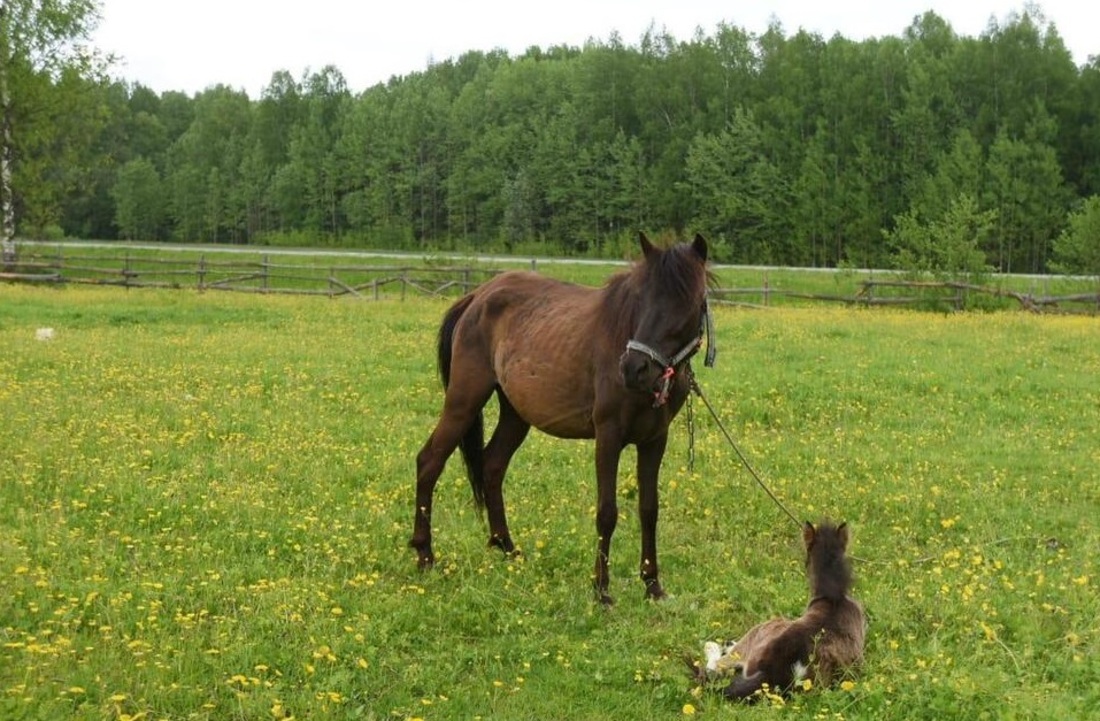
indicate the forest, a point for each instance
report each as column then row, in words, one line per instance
column 927, row 150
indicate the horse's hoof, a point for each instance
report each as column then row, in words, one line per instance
column 654, row 592
column 425, row 559
column 605, row 599
column 504, row 543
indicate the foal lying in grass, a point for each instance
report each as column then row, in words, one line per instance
column 825, row 641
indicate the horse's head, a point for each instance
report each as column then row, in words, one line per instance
column 671, row 316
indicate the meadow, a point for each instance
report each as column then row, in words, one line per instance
column 205, row 501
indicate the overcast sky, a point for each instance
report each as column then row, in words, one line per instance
column 189, row 45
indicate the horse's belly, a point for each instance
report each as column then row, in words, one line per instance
column 549, row 401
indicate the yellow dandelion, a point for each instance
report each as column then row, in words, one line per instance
column 807, row 684
column 689, row 710
column 847, row 685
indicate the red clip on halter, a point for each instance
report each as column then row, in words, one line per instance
column 661, row 397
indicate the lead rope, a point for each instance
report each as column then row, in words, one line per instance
column 691, row 432
column 744, row 461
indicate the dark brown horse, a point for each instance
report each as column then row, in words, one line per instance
column 826, row 641
column 575, row 362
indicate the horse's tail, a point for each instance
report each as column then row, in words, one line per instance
column 472, row 444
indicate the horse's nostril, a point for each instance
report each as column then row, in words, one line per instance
column 634, row 371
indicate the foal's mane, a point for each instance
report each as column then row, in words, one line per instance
column 677, row 270
column 830, row 570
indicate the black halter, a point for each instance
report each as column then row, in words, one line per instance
column 706, row 328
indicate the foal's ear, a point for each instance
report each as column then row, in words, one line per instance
column 842, row 533
column 700, row 247
column 648, row 249
column 808, row 533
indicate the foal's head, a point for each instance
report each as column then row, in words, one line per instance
column 670, row 291
column 827, row 566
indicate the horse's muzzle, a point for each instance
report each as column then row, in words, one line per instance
column 640, row 373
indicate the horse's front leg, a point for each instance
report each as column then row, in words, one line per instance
column 649, row 465
column 608, row 448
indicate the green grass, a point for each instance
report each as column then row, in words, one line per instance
column 205, row 500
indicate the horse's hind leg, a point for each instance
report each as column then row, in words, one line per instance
column 460, row 409
column 509, row 434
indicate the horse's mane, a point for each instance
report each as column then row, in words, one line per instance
column 831, row 572
column 676, row 270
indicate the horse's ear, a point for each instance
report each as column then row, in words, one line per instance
column 807, row 533
column 842, row 532
column 700, row 247
column 648, row 249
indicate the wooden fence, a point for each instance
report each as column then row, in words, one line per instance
column 945, row 295
column 378, row 281
column 263, row 276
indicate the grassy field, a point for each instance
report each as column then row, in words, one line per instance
column 205, row 501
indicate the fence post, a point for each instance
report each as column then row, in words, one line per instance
column 126, row 272
column 202, row 272
column 263, row 283
column 767, row 290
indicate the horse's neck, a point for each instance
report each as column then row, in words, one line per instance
column 829, row 588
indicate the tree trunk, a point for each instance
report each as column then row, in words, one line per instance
column 7, row 206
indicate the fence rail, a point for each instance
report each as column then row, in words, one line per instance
column 264, row 276
column 378, row 281
column 936, row 294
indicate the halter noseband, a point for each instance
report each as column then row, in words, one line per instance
column 706, row 327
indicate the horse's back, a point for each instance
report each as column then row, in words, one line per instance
column 841, row 646
column 751, row 647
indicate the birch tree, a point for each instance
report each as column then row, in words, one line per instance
column 37, row 37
